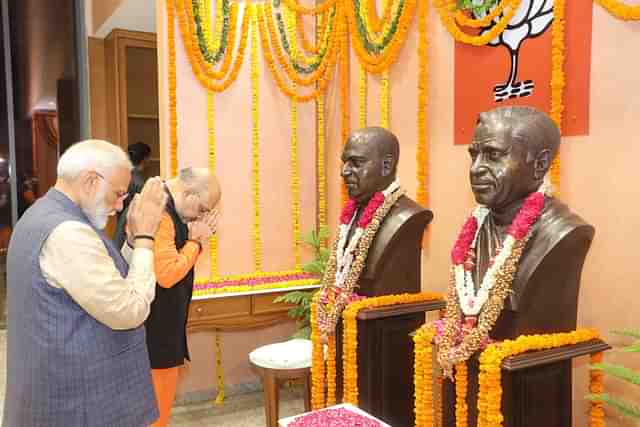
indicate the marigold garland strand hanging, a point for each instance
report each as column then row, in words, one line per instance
column 557, row 78
column 211, row 133
column 295, row 185
column 255, row 140
column 422, row 155
column 173, row 114
column 621, row 10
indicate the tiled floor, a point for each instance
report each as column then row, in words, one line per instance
column 242, row 410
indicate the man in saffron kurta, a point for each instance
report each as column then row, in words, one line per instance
column 75, row 342
column 188, row 222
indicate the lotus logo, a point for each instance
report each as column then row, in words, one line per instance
column 532, row 19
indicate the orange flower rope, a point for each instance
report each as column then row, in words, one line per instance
column 620, row 10
column 345, row 99
column 295, row 6
column 376, row 64
column 311, row 79
column 376, row 23
column 266, row 50
column 423, row 92
column 173, row 114
column 322, row 27
column 465, row 21
column 196, row 65
column 462, row 412
column 557, row 79
column 209, row 70
column 596, row 386
column 445, row 9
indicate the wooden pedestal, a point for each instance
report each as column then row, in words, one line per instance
column 385, row 360
column 536, row 388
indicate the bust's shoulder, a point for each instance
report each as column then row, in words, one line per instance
column 558, row 220
column 406, row 208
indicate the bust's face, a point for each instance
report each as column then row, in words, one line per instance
column 362, row 169
column 500, row 173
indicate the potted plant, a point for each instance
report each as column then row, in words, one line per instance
column 302, row 299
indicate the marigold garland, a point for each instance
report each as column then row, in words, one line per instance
column 198, row 50
column 621, row 10
column 322, row 72
column 219, row 370
column 321, row 28
column 266, row 50
column 376, row 23
column 423, row 377
column 298, row 59
column 557, row 78
column 326, row 5
column 466, row 21
column 345, row 99
column 322, row 180
column 596, row 386
column 173, row 114
column 490, row 386
column 376, row 40
column 255, row 140
column 362, row 98
column 447, row 11
column 350, row 334
column 209, row 78
column 423, row 92
column 377, row 63
column 295, row 185
column 213, row 241
column 385, row 100
column 462, row 412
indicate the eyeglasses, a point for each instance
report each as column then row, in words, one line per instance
column 120, row 195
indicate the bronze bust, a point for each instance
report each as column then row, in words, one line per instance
column 370, row 160
column 379, row 240
column 511, row 152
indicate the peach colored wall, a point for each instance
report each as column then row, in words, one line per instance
column 233, row 129
column 597, row 176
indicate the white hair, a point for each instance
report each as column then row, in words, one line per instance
column 91, row 155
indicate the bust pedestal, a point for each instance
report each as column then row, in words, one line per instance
column 536, row 388
column 385, row 360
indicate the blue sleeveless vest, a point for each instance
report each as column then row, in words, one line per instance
column 64, row 368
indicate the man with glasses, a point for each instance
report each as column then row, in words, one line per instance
column 76, row 353
column 188, row 222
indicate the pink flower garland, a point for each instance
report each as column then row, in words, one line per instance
column 526, row 217
column 367, row 215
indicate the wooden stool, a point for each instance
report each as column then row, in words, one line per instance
column 273, row 369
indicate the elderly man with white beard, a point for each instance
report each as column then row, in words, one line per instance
column 76, row 303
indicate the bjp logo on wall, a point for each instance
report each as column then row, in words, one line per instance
column 515, row 67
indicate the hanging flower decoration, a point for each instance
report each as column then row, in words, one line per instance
column 320, row 167
column 253, row 282
column 621, row 10
column 203, row 31
column 558, row 82
column 448, row 11
column 295, row 185
column 173, row 114
column 215, row 80
column 422, row 156
column 378, row 57
column 423, row 376
column 211, row 143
